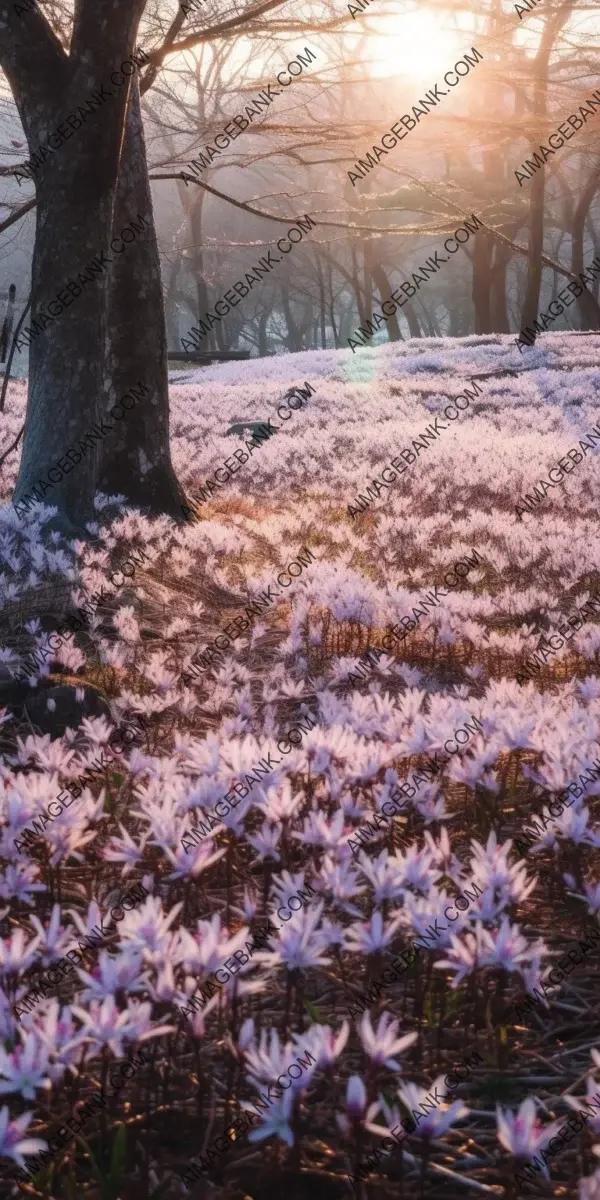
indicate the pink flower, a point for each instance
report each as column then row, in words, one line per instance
column 12, row 1143
column 523, row 1135
column 356, row 1107
column 379, row 1044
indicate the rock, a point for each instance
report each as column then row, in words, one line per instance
column 239, row 427
column 65, row 709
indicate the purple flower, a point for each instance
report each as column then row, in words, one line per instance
column 12, row 1143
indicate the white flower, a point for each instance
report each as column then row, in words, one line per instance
column 356, row 1104
column 52, row 942
column 265, row 842
column 250, row 906
column 197, row 1022
column 145, row 930
column 381, row 1043
column 12, row 1143
column 462, row 956
column 523, row 1135
column 15, row 955
column 324, row 1044
column 110, row 974
column 429, row 1115
column 591, row 1094
column 25, row 1068
column 298, row 945
column 276, row 1121
column 508, row 948
column 125, row 849
column 104, row 1024
column 207, row 949
column 369, row 937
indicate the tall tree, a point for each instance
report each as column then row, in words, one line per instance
column 111, row 334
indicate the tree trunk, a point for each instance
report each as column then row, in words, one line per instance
column 362, row 312
column 220, row 332
column 171, row 305
column 413, row 320
column 198, row 260
column 7, row 324
column 382, row 284
column 494, row 257
column 433, row 329
column 66, row 362
column 136, row 459
column 554, row 22
column 588, row 307
column 482, row 262
column 368, row 280
column 455, row 312
column 499, row 311
column 536, row 246
column 263, row 345
column 322, row 311
column 293, row 340
column 331, row 305
column 108, row 331
column 595, row 288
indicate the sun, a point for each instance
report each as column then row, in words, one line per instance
column 414, row 45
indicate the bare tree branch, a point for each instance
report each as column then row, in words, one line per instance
column 14, row 445
column 16, row 216
column 11, row 355
column 403, row 229
column 195, row 39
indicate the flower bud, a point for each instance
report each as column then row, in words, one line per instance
column 356, row 1098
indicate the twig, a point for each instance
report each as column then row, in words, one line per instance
column 14, row 445
column 16, row 216
column 11, row 355
column 473, row 1183
column 206, row 35
column 495, row 233
column 400, row 229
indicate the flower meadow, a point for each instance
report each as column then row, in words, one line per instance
column 426, row 1020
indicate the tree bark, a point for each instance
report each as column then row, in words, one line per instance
column 198, row 266
column 66, row 365
column 554, row 23
column 263, row 345
column 111, row 332
column 413, row 320
column 596, row 284
column 382, row 284
column 136, row 459
column 368, row 292
column 588, row 306
column 536, row 245
column 171, row 305
column 433, row 329
column 293, row 339
column 220, row 332
column 360, row 304
column 7, row 324
column 498, row 308
column 331, row 305
column 482, row 267
column 322, row 306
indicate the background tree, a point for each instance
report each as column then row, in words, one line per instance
column 460, row 160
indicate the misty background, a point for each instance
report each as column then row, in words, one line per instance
column 294, row 158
